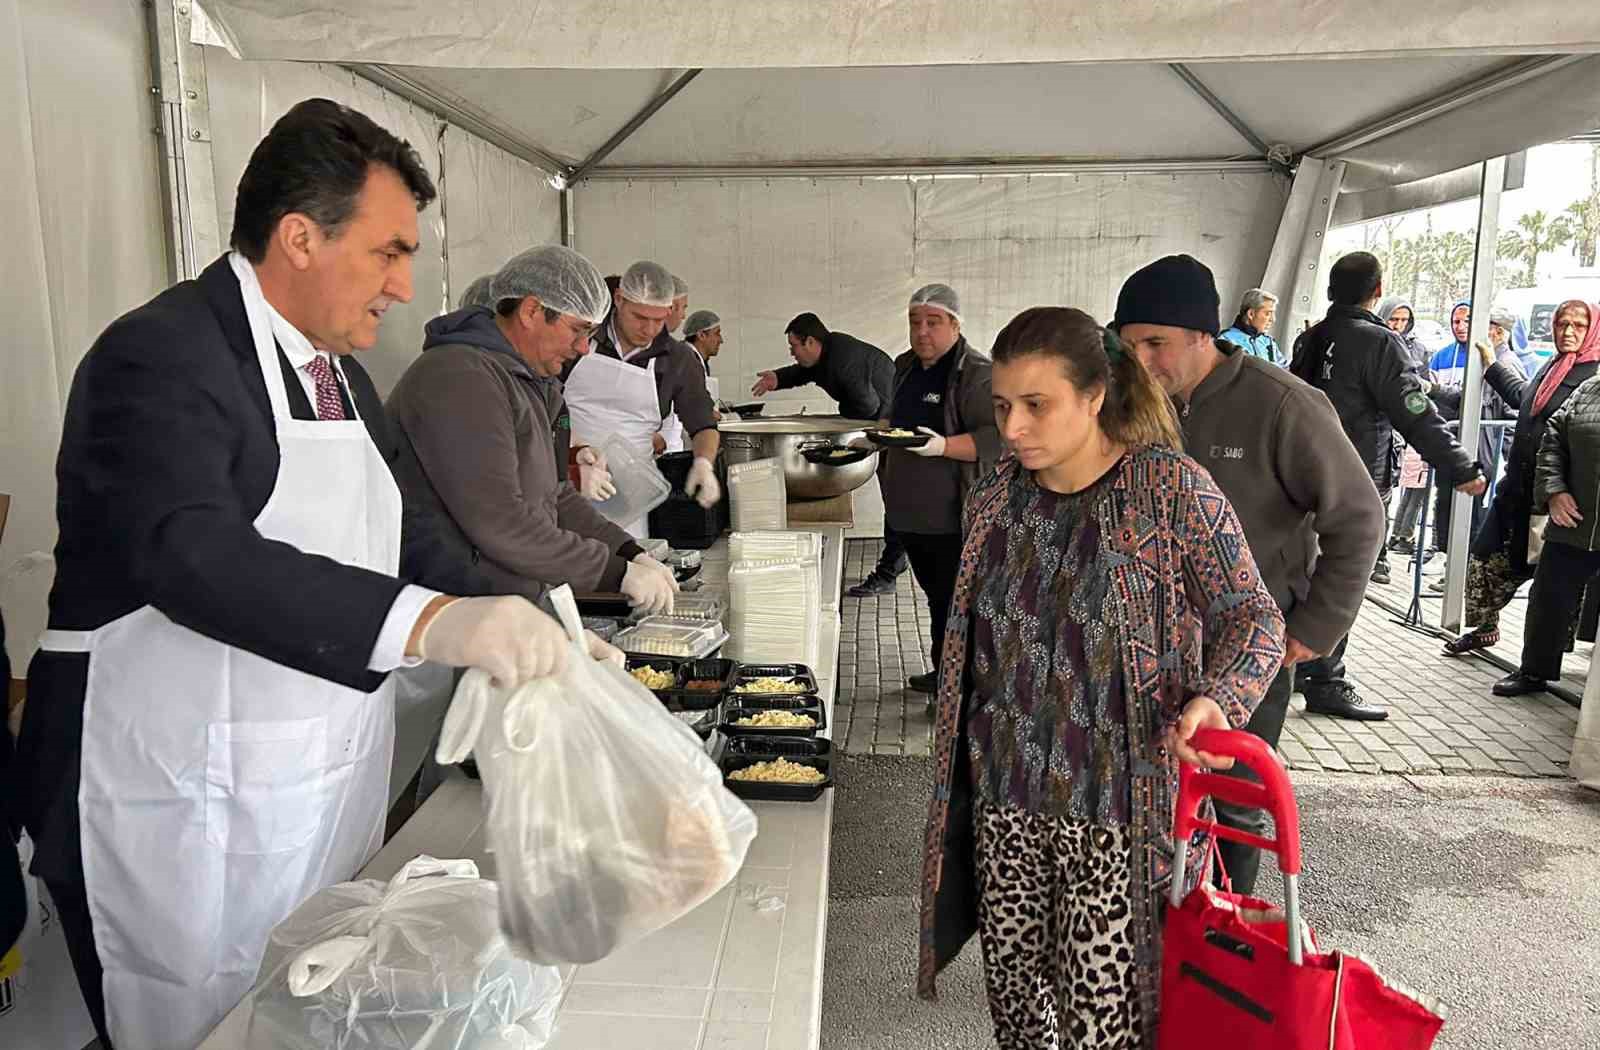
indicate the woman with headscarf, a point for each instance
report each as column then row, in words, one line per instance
column 1401, row 318
column 1567, row 488
column 1499, row 562
column 1106, row 607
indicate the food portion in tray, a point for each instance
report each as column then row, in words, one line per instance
column 780, row 771
column 897, row 437
column 652, row 678
column 776, row 719
column 774, row 687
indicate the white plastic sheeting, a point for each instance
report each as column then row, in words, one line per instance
column 760, row 251
column 734, row 33
column 84, row 242
column 496, row 205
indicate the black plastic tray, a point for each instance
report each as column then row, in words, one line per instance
column 604, row 604
column 706, row 722
column 732, row 712
column 750, row 672
column 822, row 454
column 660, row 663
column 764, row 791
column 881, row 437
column 786, row 746
column 711, row 667
column 750, row 408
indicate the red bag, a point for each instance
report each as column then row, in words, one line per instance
column 1241, row 974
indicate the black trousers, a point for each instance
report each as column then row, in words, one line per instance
column 935, row 561
column 1310, row 675
column 1241, row 862
column 1558, row 585
column 893, row 561
column 1445, row 496
column 72, row 909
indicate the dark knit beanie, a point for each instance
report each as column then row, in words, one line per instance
column 1178, row 291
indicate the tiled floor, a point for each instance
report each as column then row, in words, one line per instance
column 1443, row 718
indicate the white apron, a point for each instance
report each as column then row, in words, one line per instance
column 605, row 397
column 672, row 427
column 220, row 789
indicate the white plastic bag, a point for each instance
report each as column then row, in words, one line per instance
column 417, row 963
column 605, row 817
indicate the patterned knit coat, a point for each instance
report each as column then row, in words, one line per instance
column 1193, row 619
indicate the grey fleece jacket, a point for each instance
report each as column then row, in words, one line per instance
column 475, row 434
column 1277, row 450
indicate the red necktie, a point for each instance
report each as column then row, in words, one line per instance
column 329, row 404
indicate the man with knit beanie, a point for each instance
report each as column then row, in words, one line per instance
column 1277, row 451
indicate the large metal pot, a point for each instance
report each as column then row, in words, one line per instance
column 780, row 437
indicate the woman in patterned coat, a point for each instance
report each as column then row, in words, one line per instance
column 1107, row 607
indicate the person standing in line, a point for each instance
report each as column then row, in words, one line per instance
column 941, row 391
column 1094, row 548
column 1251, row 331
column 1361, row 365
column 1401, row 319
column 1275, row 447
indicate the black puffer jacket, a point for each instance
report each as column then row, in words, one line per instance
column 1368, row 375
column 1569, row 461
column 1521, row 461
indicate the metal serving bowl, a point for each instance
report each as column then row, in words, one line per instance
column 780, row 438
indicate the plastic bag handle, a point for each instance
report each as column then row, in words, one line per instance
column 566, row 607
column 1274, row 794
column 463, row 720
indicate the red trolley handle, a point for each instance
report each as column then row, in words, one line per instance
column 1274, row 794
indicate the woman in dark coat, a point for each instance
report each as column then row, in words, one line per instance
column 1499, row 558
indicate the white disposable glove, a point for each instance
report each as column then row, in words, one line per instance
column 600, row 649
column 703, row 480
column 507, row 636
column 595, row 483
column 649, row 585
column 935, row 445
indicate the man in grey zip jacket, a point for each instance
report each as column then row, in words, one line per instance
column 1277, row 450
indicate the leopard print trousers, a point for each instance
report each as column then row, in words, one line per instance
column 1054, row 922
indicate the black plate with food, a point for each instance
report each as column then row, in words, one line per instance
column 897, row 438
column 750, row 408
column 755, row 682
column 776, row 721
column 826, row 454
column 657, row 665
column 735, row 761
column 705, row 682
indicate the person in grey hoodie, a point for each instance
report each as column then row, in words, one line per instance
column 1276, row 449
column 477, row 419
column 1397, row 313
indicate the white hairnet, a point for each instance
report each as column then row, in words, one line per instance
column 477, row 293
column 700, row 321
column 940, row 296
column 1503, row 317
column 559, row 277
column 680, row 287
column 648, row 284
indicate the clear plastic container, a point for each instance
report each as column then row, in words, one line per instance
column 771, row 545
column 669, row 636
column 697, row 607
column 640, row 486
column 758, row 495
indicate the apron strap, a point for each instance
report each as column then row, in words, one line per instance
column 255, row 309
column 53, row 641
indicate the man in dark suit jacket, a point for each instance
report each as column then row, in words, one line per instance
column 170, row 451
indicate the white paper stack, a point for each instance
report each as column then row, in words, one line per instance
column 759, row 496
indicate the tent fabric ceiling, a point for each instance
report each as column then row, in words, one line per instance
column 1100, row 111
column 626, row 34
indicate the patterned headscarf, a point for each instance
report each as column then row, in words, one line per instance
column 1588, row 350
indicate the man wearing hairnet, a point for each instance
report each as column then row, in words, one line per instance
column 477, row 293
column 477, row 416
column 634, row 380
column 703, row 334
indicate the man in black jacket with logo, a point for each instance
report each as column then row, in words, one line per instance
column 1364, row 368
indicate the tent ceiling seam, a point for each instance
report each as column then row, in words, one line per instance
column 930, row 167
column 625, row 132
column 1221, row 108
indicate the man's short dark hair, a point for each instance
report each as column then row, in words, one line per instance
column 508, row 308
column 807, row 326
column 315, row 161
column 1355, row 279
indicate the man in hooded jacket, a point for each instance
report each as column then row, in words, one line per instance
column 1397, row 313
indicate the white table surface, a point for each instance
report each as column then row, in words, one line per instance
column 741, row 972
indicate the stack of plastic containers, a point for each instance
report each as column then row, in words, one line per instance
column 774, row 591
column 758, row 495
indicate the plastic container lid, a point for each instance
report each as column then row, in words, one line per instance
column 698, row 607
column 668, row 636
column 640, row 486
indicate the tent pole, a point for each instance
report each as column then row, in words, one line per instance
column 1479, row 87
column 569, row 225
column 1294, row 268
column 453, row 113
column 934, row 166
column 1455, row 576
column 631, row 126
column 183, row 108
column 1210, row 98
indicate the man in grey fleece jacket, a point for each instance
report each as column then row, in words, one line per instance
column 1277, row 450
column 476, row 416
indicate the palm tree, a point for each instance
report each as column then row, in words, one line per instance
column 1452, row 267
column 1584, row 215
column 1536, row 234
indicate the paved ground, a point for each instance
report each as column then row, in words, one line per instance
column 1443, row 717
column 1479, row 890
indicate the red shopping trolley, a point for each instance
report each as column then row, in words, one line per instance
column 1237, row 972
